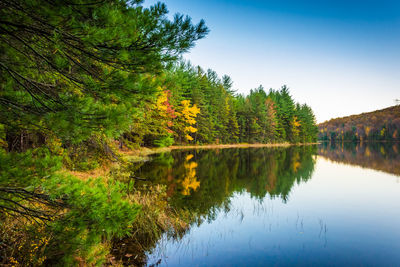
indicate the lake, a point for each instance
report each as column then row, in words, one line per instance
column 317, row 205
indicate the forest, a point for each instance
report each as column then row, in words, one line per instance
column 82, row 81
column 379, row 125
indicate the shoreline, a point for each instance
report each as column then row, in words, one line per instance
column 218, row 146
column 143, row 153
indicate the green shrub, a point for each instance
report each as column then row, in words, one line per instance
column 164, row 141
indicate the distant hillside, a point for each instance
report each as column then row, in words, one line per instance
column 381, row 124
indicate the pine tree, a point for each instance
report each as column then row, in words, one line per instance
column 73, row 68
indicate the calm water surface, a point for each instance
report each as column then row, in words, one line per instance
column 327, row 205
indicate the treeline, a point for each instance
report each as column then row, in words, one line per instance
column 372, row 126
column 196, row 106
column 81, row 80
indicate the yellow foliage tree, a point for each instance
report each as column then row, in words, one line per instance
column 367, row 130
column 187, row 118
column 296, row 127
column 383, row 132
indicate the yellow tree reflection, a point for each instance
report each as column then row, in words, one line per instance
column 190, row 180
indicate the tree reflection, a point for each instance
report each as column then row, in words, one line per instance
column 382, row 156
column 189, row 182
column 203, row 181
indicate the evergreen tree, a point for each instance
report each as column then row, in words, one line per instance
column 72, row 67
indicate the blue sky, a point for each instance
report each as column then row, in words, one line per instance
column 340, row 57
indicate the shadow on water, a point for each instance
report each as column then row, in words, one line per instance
column 382, row 156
